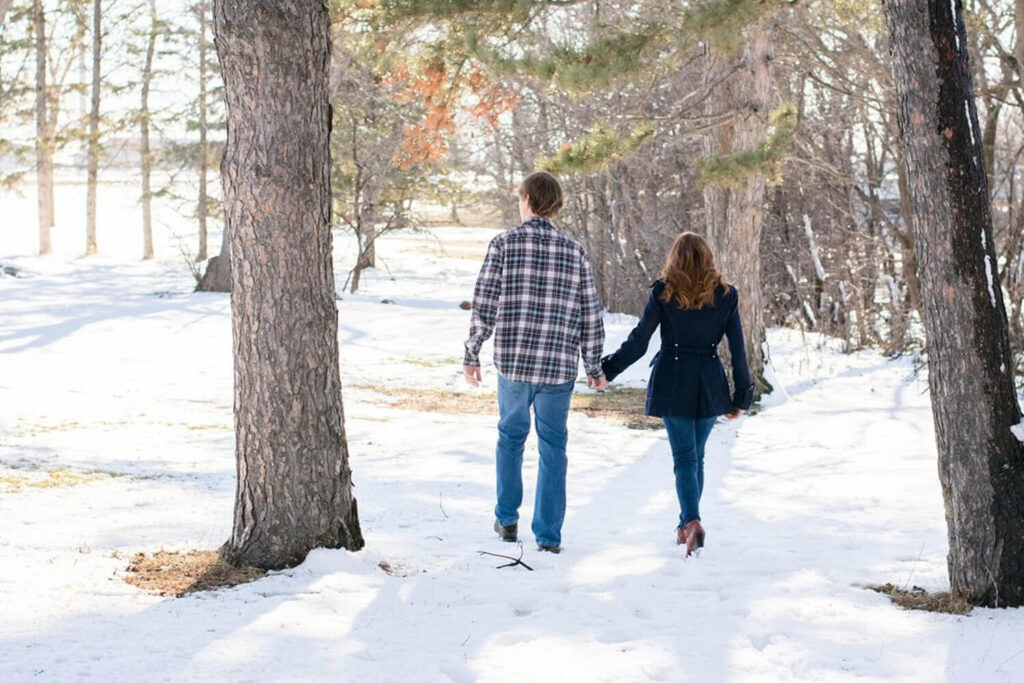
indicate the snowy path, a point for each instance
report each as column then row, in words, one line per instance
column 118, row 381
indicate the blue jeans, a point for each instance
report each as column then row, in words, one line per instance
column 551, row 406
column 687, row 437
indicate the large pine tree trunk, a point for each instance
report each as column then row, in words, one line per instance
column 94, row 129
column 734, row 215
column 204, row 146
column 981, row 463
column 44, row 139
column 294, row 483
column 144, row 148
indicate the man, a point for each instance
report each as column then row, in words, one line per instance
column 536, row 293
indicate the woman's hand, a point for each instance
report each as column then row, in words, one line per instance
column 734, row 414
column 598, row 383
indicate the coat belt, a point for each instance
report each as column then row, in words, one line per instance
column 673, row 351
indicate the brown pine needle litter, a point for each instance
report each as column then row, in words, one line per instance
column 180, row 573
column 920, row 599
column 625, row 404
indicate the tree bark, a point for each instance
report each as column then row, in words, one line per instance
column 94, row 129
column 5, row 7
column 217, row 277
column 44, row 139
column 144, row 150
column 981, row 463
column 1018, row 48
column 294, row 482
column 204, row 145
column 733, row 215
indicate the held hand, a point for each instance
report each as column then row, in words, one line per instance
column 472, row 374
column 734, row 414
column 597, row 383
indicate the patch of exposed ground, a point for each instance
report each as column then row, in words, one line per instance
column 30, row 476
column 920, row 599
column 623, row 404
column 181, row 573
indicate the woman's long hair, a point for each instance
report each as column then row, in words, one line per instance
column 690, row 275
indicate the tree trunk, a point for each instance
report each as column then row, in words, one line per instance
column 144, row 152
column 44, row 140
column 94, row 129
column 981, row 463
column 5, row 7
column 204, row 145
column 1018, row 48
column 733, row 215
column 294, row 482
column 217, row 277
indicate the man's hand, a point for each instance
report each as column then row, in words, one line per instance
column 472, row 374
column 734, row 414
column 597, row 383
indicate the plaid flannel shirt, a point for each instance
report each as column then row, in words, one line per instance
column 535, row 292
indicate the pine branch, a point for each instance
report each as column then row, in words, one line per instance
column 766, row 158
column 452, row 9
column 580, row 68
column 600, row 147
column 722, row 21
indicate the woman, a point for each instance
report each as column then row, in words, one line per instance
column 694, row 308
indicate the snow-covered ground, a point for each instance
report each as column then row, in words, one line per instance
column 115, row 437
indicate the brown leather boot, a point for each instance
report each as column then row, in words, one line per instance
column 693, row 534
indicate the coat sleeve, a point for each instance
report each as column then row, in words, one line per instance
column 744, row 384
column 635, row 345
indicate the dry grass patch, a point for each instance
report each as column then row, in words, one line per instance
column 33, row 477
column 178, row 574
column 450, row 361
column 920, row 599
column 625, row 405
column 437, row 401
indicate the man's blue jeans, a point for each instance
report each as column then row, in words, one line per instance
column 551, row 406
column 687, row 437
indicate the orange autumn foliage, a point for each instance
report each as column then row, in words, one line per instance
column 491, row 100
column 426, row 142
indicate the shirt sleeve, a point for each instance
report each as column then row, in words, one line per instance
column 636, row 344
column 743, row 395
column 485, row 304
column 592, row 323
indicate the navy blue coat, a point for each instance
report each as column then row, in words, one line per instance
column 687, row 378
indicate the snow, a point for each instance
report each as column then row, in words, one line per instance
column 113, row 369
column 956, row 29
column 989, row 276
column 989, row 272
column 1018, row 430
column 970, row 124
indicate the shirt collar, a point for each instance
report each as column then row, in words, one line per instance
column 539, row 222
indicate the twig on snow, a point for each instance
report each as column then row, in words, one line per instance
column 514, row 562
